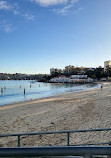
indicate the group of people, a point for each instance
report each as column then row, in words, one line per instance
column 2, row 89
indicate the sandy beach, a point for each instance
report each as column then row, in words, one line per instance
column 81, row 110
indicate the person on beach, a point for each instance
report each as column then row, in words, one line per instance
column 101, row 86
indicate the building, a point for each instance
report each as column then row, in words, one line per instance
column 107, row 64
column 80, row 79
column 60, row 79
column 52, row 70
column 78, row 76
column 91, row 69
column 72, row 79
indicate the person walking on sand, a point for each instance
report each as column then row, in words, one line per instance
column 101, row 86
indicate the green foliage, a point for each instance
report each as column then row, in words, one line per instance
column 108, row 72
column 57, row 72
column 71, row 70
column 96, row 74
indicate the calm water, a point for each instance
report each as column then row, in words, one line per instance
column 14, row 91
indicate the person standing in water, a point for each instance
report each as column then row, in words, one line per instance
column 24, row 91
column 2, row 90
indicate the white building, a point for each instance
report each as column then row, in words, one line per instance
column 80, row 79
column 60, row 79
column 91, row 69
column 107, row 64
column 52, row 70
column 77, row 80
column 78, row 76
column 72, row 79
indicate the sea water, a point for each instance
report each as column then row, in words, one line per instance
column 13, row 91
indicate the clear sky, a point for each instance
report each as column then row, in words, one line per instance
column 36, row 35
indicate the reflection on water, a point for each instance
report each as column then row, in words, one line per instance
column 15, row 91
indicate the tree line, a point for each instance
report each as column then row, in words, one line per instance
column 19, row 76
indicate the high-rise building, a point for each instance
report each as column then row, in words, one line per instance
column 52, row 70
column 107, row 64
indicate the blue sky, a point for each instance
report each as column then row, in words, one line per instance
column 36, row 35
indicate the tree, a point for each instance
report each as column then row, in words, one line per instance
column 57, row 72
column 108, row 72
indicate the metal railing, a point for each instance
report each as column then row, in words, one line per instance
column 68, row 132
column 86, row 152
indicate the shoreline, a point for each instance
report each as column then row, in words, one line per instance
column 48, row 97
column 83, row 110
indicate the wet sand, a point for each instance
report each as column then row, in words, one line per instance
column 81, row 110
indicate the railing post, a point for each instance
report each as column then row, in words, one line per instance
column 109, row 156
column 67, row 139
column 18, row 142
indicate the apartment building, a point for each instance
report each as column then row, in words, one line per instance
column 107, row 64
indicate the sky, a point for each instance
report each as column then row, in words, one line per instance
column 36, row 35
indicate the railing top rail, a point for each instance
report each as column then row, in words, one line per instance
column 55, row 132
column 55, row 151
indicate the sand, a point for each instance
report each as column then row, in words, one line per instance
column 82, row 110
